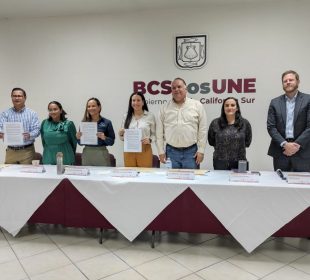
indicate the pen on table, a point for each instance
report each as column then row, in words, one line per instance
column 280, row 173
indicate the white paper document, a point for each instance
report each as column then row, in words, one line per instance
column 244, row 177
column 89, row 133
column 181, row 174
column 76, row 170
column 120, row 172
column 13, row 133
column 132, row 140
column 298, row 178
column 33, row 169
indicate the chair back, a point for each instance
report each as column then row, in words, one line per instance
column 112, row 160
column 156, row 162
column 78, row 159
column 38, row 156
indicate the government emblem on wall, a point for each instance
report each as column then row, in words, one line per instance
column 191, row 51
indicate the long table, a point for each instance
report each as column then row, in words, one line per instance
column 251, row 212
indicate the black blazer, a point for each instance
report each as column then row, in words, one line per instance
column 276, row 123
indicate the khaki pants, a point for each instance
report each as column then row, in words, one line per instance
column 24, row 156
column 143, row 159
column 96, row 156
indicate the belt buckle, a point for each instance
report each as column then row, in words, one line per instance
column 18, row 148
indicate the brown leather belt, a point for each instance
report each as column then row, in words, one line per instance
column 182, row 148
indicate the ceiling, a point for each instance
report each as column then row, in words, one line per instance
column 10, row 9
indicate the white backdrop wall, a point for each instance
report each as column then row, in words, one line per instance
column 70, row 59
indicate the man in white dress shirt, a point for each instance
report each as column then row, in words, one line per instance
column 181, row 129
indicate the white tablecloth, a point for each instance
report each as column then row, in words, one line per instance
column 251, row 212
column 21, row 194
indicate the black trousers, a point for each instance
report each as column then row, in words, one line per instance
column 293, row 164
column 224, row 164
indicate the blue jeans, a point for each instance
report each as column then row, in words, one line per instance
column 182, row 158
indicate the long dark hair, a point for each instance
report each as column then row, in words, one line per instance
column 130, row 109
column 62, row 114
column 87, row 117
column 238, row 118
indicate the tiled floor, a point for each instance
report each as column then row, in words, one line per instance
column 47, row 252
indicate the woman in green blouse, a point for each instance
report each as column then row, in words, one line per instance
column 58, row 135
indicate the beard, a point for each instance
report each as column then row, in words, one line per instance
column 290, row 88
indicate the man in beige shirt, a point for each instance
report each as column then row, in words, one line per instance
column 182, row 125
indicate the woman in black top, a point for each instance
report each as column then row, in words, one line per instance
column 229, row 134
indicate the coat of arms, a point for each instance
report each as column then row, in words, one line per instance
column 191, row 51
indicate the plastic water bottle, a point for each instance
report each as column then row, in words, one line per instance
column 168, row 163
column 59, row 163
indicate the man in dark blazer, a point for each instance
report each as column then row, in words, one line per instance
column 288, row 125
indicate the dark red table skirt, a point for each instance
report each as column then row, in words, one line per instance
column 67, row 206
